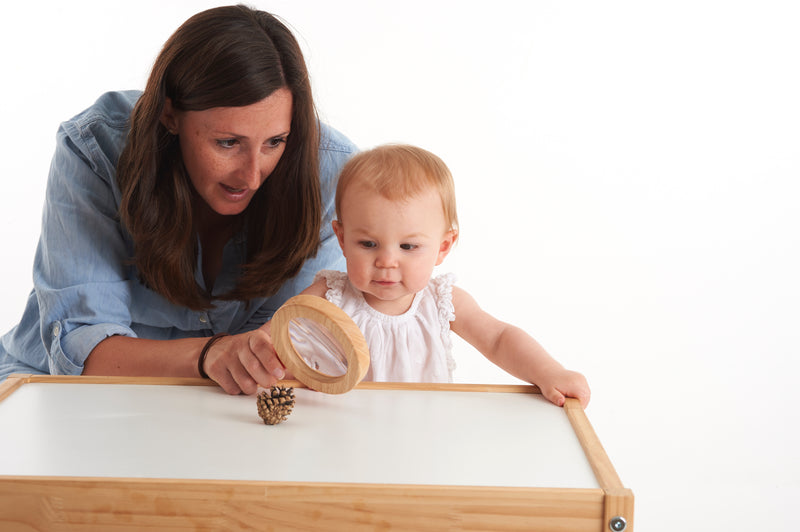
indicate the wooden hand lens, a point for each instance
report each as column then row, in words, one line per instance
column 319, row 344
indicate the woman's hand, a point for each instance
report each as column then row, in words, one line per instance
column 243, row 362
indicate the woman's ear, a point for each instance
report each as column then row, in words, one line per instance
column 168, row 118
column 447, row 244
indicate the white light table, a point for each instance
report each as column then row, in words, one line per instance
column 105, row 453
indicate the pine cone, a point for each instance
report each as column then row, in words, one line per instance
column 275, row 404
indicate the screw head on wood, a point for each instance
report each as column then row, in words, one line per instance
column 618, row 524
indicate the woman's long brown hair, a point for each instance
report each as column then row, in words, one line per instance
column 224, row 57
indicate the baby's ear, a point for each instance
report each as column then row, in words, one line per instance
column 447, row 244
column 339, row 230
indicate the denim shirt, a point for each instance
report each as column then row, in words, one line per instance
column 85, row 290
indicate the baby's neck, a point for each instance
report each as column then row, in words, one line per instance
column 394, row 307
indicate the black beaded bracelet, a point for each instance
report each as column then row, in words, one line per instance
column 202, row 358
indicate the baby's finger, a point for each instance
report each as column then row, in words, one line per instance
column 575, row 385
column 579, row 390
column 583, row 395
column 554, row 396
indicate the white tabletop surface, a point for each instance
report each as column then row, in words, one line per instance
column 363, row 436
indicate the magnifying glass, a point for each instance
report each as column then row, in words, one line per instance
column 320, row 344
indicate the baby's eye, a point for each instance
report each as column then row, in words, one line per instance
column 408, row 247
column 227, row 143
column 369, row 244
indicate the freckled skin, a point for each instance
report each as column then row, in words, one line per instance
column 230, row 151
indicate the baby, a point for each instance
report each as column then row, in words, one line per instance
column 396, row 221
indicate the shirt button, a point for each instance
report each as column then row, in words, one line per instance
column 56, row 329
column 203, row 319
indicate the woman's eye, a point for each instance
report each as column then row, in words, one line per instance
column 227, row 143
column 275, row 142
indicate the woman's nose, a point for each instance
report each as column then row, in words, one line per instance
column 253, row 170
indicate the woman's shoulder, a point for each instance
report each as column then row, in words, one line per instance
column 333, row 140
column 112, row 109
column 99, row 131
column 334, row 151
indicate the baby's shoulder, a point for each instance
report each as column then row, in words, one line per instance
column 330, row 276
column 333, row 283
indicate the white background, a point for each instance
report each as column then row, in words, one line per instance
column 627, row 183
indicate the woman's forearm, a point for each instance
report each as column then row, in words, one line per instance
column 238, row 363
column 122, row 355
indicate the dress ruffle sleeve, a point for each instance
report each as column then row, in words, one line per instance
column 336, row 282
column 443, row 288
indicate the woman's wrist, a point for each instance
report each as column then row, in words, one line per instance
column 201, row 360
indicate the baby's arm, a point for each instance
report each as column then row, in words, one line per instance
column 515, row 351
column 317, row 288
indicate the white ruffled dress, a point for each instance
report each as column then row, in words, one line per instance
column 412, row 347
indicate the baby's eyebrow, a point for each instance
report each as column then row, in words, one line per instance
column 360, row 231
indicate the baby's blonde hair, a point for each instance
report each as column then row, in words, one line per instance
column 398, row 172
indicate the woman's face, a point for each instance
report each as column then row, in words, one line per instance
column 230, row 151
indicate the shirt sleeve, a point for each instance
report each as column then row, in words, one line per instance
column 81, row 272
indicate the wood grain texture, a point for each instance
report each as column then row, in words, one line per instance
column 12, row 382
column 618, row 499
column 15, row 380
column 52, row 503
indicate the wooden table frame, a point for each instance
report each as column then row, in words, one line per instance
column 90, row 503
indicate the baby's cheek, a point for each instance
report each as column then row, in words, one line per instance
column 358, row 277
column 418, row 280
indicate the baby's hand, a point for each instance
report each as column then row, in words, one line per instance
column 559, row 385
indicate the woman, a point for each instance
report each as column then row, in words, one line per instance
column 179, row 219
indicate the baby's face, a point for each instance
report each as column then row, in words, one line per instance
column 391, row 247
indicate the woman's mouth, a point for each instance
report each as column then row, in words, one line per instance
column 234, row 194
